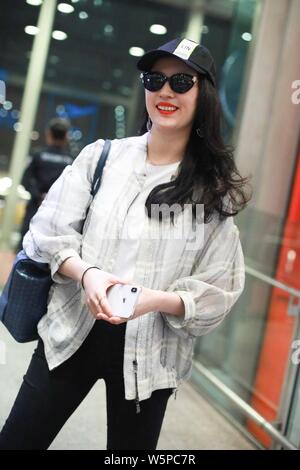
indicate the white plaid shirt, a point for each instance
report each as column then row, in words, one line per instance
column 209, row 277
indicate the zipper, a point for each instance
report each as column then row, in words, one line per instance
column 137, row 401
column 135, row 369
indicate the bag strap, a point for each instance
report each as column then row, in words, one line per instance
column 99, row 168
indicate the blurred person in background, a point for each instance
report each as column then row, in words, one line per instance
column 188, row 284
column 44, row 168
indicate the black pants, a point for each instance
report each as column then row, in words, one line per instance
column 47, row 399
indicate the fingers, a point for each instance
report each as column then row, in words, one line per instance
column 94, row 306
column 99, row 304
column 113, row 320
column 126, row 280
column 98, row 309
column 105, row 307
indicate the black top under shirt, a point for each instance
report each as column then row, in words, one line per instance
column 45, row 167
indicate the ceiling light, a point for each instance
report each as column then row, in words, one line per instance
column 77, row 134
column 60, row 109
column 59, row 35
column 83, row 15
column 5, row 183
column 119, row 110
column 32, row 30
column 7, row 105
column 247, row 36
column 106, row 85
column 65, row 8
column 53, row 59
column 158, row 29
column 136, row 51
column 35, row 135
column 108, row 29
column 35, row 3
column 17, row 126
column 117, row 73
column 125, row 90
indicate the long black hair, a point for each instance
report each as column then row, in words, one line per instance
column 208, row 165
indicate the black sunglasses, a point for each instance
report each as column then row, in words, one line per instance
column 179, row 82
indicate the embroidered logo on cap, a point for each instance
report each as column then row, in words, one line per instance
column 185, row 49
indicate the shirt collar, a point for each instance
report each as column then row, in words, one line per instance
column 140, row 167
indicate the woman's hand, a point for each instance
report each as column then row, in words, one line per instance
column 96, row 283
column 147, row 302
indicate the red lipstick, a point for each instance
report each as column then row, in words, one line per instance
column 166, row 108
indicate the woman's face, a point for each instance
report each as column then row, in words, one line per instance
column 185, row 103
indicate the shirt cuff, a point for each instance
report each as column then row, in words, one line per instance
column 189, row 310
column 57, row 260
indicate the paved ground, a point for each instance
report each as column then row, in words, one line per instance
column 190, row 423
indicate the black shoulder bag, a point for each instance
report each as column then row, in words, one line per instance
column 23, row 301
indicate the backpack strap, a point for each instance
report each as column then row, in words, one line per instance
column 99, row 168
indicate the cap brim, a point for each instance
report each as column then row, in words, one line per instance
column 145, row 63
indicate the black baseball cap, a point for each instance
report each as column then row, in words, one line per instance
column 190, row 52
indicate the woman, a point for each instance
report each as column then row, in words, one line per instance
column 189, row 262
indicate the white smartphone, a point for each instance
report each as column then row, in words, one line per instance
column 122, row 299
